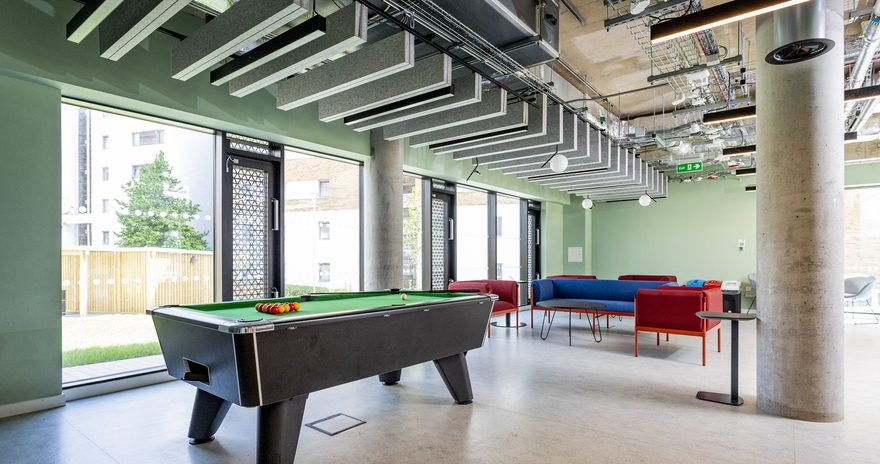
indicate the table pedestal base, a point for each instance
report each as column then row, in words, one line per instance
column 507, row 324
column 722, row 398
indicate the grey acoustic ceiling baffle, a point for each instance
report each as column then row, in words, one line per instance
column 650, row 184
column 492, row 105
column 283, row 43
column 592, row 153
column 515, row 119
column 553, row 136
column 428, row 74
column 570, row 139
column 346, row 29
column 536, row 126
column 466, row 90
column 660, row 190
column 375, row 61
column 88, row 18
column 126, row 27
column 240, row 25
column 619, row 167
column 634, row 176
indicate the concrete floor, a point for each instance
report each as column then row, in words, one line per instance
column 536, row 401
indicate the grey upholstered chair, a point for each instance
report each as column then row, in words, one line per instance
column 860, row 288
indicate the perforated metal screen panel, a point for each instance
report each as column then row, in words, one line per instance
column 439, row 214
column 250, row 233
column 530, row 251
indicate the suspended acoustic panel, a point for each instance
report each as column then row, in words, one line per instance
column 240, row 25
column 536, row 126
column 570, row 139
column 593, row 155
column 553, row 136
column 346, row 29
column 515, row 119
column 429, row 74
column 295, row 37
column 620, row 166
column 375, row 61
column 651, row 185
column 126, row 27
column 88, row 18
column 635, row 176
column 466, row 90
column 492, row 104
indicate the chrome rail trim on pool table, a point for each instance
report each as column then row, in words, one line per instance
column 243, row 326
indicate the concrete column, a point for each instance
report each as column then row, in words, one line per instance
column 383, row 214
column 800, row 229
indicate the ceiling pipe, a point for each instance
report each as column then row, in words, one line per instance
column 870, row 42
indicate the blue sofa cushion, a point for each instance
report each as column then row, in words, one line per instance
column 596, row 290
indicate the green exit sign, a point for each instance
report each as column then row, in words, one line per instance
column 690, row 167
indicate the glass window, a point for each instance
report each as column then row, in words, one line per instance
column 412, row 232
column 105, row 142
column 309, row 250
column 862, row 235
column 471, row 228
column 150, row 137
column 152, row 242
column 508, row 246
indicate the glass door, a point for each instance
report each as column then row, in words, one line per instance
column 442, row 235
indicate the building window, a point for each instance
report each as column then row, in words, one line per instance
column 105, row 174
column 323, row 188
column 498, row 228
column 323, row 230
column 153, row 137
column 323, row 272
column 105, row 206
column 105, row 142
column 499, row 270
column 105, row 238
column 136, row 170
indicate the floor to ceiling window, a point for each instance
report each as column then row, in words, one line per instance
column 321, row 224
column 507, row 232
column 862, row 238
column 472, row 241
column 412, row 232
column 137, row 232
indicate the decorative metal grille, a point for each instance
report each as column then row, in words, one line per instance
column 250, row 145
column 438, row 244
column 250, row 233
column 530, row 248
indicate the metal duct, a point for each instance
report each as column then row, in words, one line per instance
column 870, row 42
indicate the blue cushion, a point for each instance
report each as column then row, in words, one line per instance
column 618, row 306
column 695, row 283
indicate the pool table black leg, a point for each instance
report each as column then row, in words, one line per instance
column 455, row 375
column 390, row 378
column 278, row 426
column 207, row 415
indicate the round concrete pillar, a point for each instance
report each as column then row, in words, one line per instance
column 800, row 228
column 383, row 214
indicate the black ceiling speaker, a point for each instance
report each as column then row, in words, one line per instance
column 799, row 33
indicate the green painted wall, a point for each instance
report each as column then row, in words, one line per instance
column 692, row 234
column 552, row 218
column 30, row 249
column 576, row 233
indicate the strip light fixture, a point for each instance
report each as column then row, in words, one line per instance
column 736, row 114
column 720, row 15
column 861, row 94
column 751, row 188
column 850, row 137
column 746, row 172
column 743, row 150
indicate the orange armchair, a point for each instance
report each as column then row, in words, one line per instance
column 671, row 310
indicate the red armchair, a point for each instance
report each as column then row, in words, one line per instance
column 656, row 278
column 671, row 310
column 506, row 290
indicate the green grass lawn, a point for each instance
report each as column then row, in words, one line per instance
column 96, row 354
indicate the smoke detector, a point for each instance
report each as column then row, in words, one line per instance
column 638, row 6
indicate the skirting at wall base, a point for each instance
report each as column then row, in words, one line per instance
column 24, row 407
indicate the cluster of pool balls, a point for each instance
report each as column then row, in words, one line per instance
column 277, row 308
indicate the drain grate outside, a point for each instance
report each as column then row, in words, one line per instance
column 335, row 424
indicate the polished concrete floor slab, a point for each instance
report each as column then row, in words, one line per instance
column 535, row 401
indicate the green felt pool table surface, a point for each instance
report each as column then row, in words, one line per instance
column 321, row 304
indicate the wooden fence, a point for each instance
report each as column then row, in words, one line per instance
column 130, row 280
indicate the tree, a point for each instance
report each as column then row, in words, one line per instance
column 156, row 214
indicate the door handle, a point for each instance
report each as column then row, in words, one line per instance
column 538, row 237
column 276, row 215
column 451, row 229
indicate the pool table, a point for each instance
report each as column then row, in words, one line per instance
column 234, row 354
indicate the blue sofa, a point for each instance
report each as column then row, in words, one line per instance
column 618, row 296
